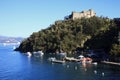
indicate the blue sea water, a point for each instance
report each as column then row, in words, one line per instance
column 17, row 66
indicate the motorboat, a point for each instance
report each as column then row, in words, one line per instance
column 38, row 53
column 29, row 54
column 54, row 60
column 51, row 58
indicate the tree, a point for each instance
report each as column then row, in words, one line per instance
column 115, row 50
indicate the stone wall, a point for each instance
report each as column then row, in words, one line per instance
column 78, row 15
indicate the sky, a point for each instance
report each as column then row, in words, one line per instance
column 20, row 18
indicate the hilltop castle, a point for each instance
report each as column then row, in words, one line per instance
column 78, row 15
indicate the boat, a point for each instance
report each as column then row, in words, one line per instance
column 58, row 61
column 38, row 53
column 95, row 63
column 29, row 54
column 51, row 59
column 54, row 60
column 86, row 60
column 80, row 59
column 72, row 59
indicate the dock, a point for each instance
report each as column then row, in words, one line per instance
column 58, row 61
column 83, row 60
column 112, row 63
column 71, row 59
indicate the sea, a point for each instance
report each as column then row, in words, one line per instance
column 18, row 66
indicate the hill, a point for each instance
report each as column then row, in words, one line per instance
column 68, row 35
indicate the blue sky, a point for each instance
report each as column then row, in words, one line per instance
column 20, row 18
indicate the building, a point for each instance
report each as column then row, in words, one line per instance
column 78, row 15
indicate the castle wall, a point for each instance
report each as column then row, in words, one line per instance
column 86, row 14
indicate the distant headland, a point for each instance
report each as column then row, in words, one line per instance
column 10, row 40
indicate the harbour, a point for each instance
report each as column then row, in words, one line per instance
column 14, row 65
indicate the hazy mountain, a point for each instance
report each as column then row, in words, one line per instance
column 5, row 39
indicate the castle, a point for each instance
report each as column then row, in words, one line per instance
column 78, row 15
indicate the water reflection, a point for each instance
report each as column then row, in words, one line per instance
column 84, row 65
column 29, row 59
column 78, row 70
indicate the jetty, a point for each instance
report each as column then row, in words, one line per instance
column 112, row 63
column 58, row 61
column 71, row 59
column 83, row 59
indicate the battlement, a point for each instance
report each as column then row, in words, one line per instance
column 78, row 15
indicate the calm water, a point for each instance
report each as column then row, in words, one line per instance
column 16, row 66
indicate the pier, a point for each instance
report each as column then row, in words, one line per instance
column 58, row 61
column 112, row 63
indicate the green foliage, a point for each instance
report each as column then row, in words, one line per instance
column 115, row 50
column 67, row 35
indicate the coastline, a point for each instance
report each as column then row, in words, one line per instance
column 112, row 63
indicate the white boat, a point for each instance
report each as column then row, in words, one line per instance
column 81, row 57
column 54, row 60
column 38, row 53
column 41, row 53
column 58, row 61
column 29, row 54
column 95, row 63
column 51, row 58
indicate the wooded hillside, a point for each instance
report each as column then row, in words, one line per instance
column 67, row 35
